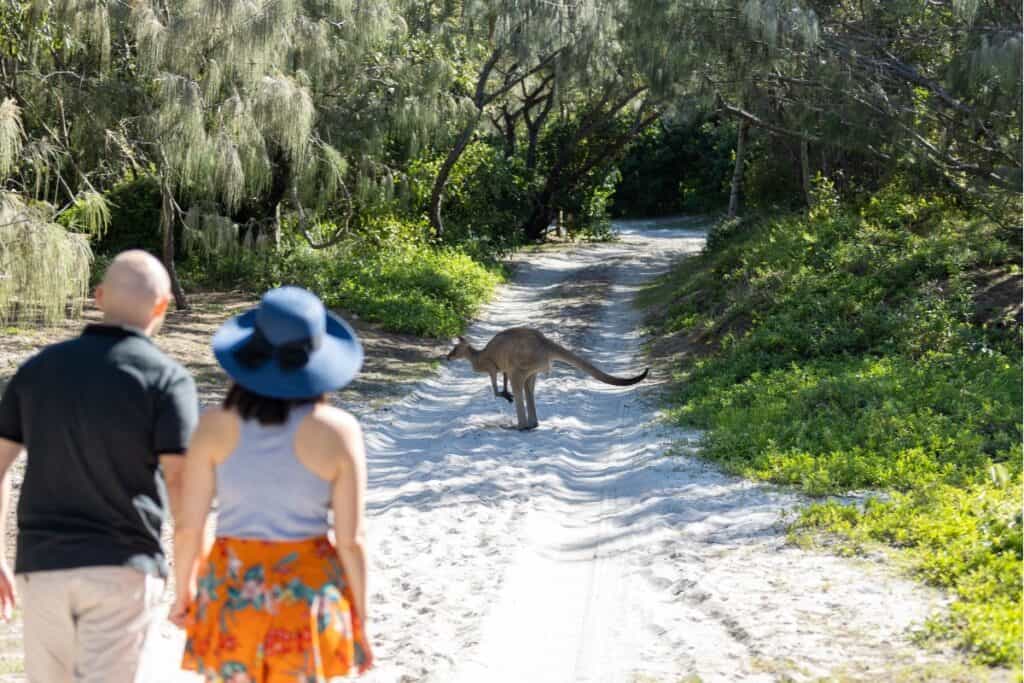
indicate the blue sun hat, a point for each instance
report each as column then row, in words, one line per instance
column 290, row 347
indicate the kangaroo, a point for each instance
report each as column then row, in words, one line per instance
column 520, row 353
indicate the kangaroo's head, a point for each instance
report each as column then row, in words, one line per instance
column 460, row 350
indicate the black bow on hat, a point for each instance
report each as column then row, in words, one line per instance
column 290, row 356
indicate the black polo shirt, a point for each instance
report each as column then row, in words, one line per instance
column 94, row 414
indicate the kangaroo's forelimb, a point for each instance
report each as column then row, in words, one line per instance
column 504, row 393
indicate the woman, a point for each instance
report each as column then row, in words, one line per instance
column 275, row 600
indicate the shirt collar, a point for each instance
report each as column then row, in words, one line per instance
column 118, row 331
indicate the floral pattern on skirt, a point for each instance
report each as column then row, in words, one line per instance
column 273, row 612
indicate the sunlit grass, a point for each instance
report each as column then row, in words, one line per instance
column 860, row 366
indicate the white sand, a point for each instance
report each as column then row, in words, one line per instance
column 586, row 550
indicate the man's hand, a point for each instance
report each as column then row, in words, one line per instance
column 8, row 599
column 9, row 452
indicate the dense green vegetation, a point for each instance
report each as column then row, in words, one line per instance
column 391, row 274
column 408, row 286
column 851, row 348
column 677, row 168
column 198, row 129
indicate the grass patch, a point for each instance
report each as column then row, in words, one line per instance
column 11, row 664
column 842, row 349
column 408, row 286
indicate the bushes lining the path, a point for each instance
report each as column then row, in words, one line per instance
column 842, row 349
column 410, row 287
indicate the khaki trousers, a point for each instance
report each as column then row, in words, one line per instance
column 87, row 625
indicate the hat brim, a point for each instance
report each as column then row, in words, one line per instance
column 332, row 366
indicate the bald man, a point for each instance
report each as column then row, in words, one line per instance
column 104, row 419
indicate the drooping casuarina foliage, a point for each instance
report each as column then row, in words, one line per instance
column 266, row 122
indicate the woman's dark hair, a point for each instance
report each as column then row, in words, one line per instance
column 269, row 411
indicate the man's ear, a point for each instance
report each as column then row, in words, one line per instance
column 98, row 294
column 160, row 309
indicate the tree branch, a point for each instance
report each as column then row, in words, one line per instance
column 761, row 123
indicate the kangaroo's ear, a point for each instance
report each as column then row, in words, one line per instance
column 462, row 339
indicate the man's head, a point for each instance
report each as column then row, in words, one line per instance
column 462, row 349
column 135, row 291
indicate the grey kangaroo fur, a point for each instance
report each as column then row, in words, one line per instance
column 520, row 353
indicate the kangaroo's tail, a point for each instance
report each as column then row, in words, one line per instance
column 566, row 356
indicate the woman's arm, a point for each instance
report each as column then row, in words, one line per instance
column 348, row 501
column 214, row 438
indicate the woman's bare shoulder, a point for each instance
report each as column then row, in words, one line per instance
column 337, row 419
column 217, row 434
column 218, row 415
column 218, row 419
column 334, row 431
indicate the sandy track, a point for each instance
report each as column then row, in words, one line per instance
column 595, row 548
column 582, row 551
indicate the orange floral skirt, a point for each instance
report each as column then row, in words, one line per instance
column 273, row 611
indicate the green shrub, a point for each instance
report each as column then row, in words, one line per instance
column 771, row 177
column 858, row 366
column 830, row 426
column 134, row 217
column 966, row 539
column 406, row 286
column 485, row 200
column 674, row 168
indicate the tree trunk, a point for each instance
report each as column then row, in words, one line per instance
column 563, row 177
column 737, row 172
column 480, row 99
column 510, row 134
column 275, row 235
column 805, row 171
column 531, row 147
column 533, row 127
column 446, row 169
column 536, row 226
column 167, row 227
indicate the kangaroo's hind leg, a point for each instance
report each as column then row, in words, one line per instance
column 519, row 392
column 531, row 406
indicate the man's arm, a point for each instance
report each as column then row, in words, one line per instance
column 173, row 467
column 11, row 445
column 9, row 452
column 176, row 420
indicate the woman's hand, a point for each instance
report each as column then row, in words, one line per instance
column 367, row 662
column 179, row 610
column 214, row 438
